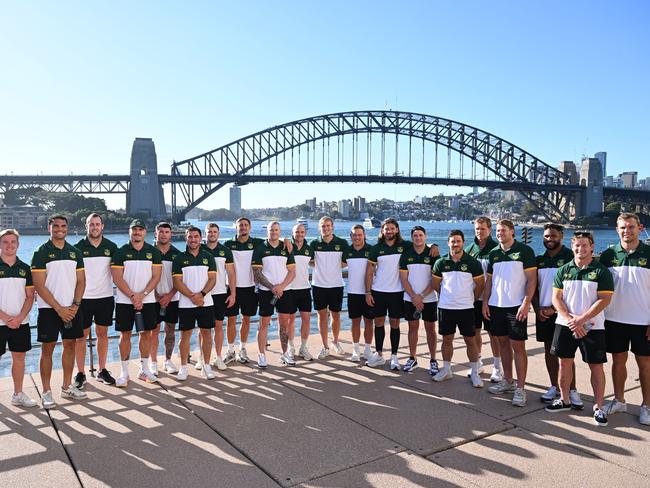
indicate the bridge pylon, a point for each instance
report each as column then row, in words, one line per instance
column 145, row 196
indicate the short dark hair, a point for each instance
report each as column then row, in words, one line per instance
column 418, row 227
column 587, row 234
column 192, row 228
column 556, row 227
column 211, row 225
column 57, row 217
column 506, row 223
column 163, row 225
column 357, row 227
column 243, row 218
column 456, row 232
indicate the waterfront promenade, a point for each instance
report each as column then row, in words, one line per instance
column 325, row 423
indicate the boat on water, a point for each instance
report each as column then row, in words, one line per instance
column 178, row 231
column 371, row 223
column 304, row 221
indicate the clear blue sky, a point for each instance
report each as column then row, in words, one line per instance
column 81, row 80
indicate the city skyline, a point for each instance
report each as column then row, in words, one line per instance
column 78, row 95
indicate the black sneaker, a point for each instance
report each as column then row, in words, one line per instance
column 105, row 377
column 80, row 380
column 558, row 406
column 433, row 367
column 600, row 417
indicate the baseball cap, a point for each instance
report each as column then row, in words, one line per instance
column 138, row 223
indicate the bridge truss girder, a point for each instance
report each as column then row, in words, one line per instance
column 67, row 184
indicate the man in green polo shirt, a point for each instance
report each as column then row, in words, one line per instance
column 509, row 289
column 16, row 300
column 195, row 273
column 136, row 268
column 59, row 279
column 627, row 319
column 98, row 303
column 458, row 278
column 582, row 289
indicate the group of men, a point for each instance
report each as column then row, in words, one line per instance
column 597, row 306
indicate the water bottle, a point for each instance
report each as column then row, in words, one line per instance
column 139, row 321
column 274, row 300
column 417, row 314
column 163, row 311
column 67, row 324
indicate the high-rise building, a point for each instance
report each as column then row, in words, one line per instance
column 629, row 179
column 311, row 203
column 359, row 204
column 344, row 208
column 602, row 157
column 235, row 199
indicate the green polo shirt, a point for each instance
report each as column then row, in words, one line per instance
column 242, row 253
column 97, row 267
column 273, row 261
column 60, row 267
column 546, row 270
column 387, row 260
column 508, row 274
column 418, row 267
column 327, row 262
column 222, row 257
column 194, row 271
column 580, row 288
column 13, row 281
column 631, row 271
column 302, row 257
column 166, row 284
column 458, row 281
column 138, row 269
column 357, row 262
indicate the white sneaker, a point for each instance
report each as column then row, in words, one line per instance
column 365, row 355
column 219, row 364
column 207, row 372
column 337, row 348
column 304, row 353
column 153, row 367
column 355, row 357
column 443, row 375
column 229, row 357
column 481, row 369
column 394, row 363
column 48, row 400
column 170, row 367
column 614, row 406
column 261, row 361
column 575, row 400
column 644, row 417
column 147, row 376
column 375, row 360
column 199, row 365
column 502, row 387
column 550, row 395
column 496, row 376
column 73, row 393
column 22, row 400
column 323, row 353
column 519, row 398
column 122, row 381
column 292, row 349
column 182, row 373
column 242, row 355
column 287, row 359
column 476, row 380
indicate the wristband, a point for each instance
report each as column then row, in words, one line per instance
column 203, row 293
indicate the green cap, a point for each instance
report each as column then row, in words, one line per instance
column 138, row 223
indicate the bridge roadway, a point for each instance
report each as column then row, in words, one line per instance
column 321, row 424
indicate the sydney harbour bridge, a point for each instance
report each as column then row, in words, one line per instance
column 350, row 147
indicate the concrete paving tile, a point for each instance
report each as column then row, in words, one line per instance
column 521, row 457
column 270, row 423
column 623, row 442
column 151, row 438
column 404, row 469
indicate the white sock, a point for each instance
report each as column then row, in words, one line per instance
column 355, row 346
column 393, row 357
column 231, row 347
column 366, row 349
column 125, row 368
column 144, row 363
column 474, row 367
column 446, row 365
column 303, row 342
column 497, row 363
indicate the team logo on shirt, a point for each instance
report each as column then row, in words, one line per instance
column 337, row 248
column 447, row 268
column 51, row 256
column 149, row 255
column 2, row 273
column 250, row 245
column 410, row 260
column 306, row 253
column 21, row 272
column 400, row 249
column 567, row 276
column 496, row 258
column 73, row 255
column 86, row 253
column 222, row 254
column 366, row 254
column 283, row 253
column 267, row 252
column 592, row 275
column 615, row 261
column 463, row 267
column 427, row 260
column 560, row 262
column 129, row 256
column 515, row 256
column 205, row 261
column 643, row 261
column 107, row 252
column 186, row 262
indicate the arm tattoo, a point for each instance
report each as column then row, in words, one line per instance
column 284, row 338
column 261, row 279
column 170, row 339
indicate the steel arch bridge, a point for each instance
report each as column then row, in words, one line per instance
column 374, row 147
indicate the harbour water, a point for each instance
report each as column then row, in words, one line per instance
column 436, row 233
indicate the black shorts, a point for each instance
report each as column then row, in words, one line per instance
column 544, row 331
column 17, row 340
column 125, row 317
column 219, row 306
column 50, row 325
column 283, row 305
column 503, row 322
column 98, row 310
column 449, row 319
column 301, row 300
column 627, row 337
column 188, row 318
column 247, row 301
column 358, row 307
column 171, row 313
column 331, row 298
column 592, row 346
column 389, row 302
column 479, row 320
column 429, row 312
